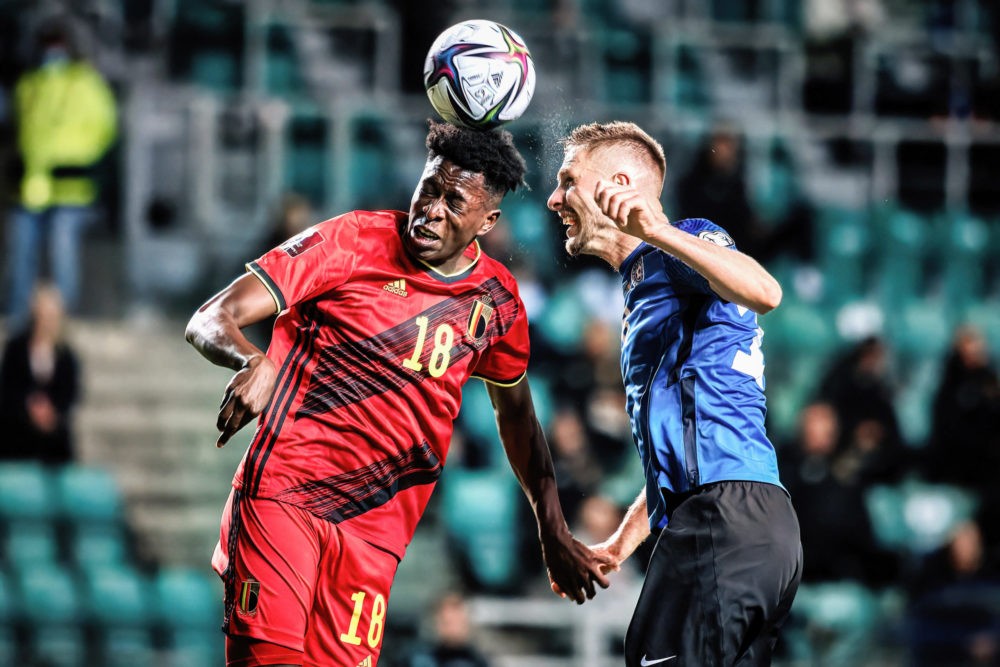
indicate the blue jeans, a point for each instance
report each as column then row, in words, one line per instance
column 27, row 233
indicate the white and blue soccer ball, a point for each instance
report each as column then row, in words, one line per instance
column 479, row 74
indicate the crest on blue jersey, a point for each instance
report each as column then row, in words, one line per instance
column 717, row 237
column 637, row 274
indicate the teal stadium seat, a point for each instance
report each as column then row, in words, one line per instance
column 188, row 606
column 52, row 612
column 98, row 545
column 963, row 241
column 118, row 604
column 26, row 543
column 914, row 517
column 832, row 624
column 8, row 634
column 217, row 70
column 25, row 492
column 845, row 241
column 480, row 509
column 903, row 244
column 919, row 328
column 86, row 494
column 564, row 319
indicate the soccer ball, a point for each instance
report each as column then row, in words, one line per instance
column 479, row 74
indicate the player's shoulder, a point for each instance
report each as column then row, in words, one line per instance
column 497, row 268
column 707, row 230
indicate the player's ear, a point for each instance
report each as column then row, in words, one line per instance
column 621, row 178
column 490, row 222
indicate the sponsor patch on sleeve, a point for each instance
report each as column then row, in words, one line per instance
column 717, row 237
column 302, row 242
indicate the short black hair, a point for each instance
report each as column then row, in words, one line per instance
column 491, row 153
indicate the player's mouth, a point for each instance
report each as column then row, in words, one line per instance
column 421, row 235
column 572, row 224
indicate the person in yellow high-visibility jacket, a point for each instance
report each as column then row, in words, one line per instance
column 66, row 119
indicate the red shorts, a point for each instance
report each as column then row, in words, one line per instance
column 297, row 581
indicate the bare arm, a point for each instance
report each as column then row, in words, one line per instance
column 215, row 331
column 732, row 275
column 571, row 565
column 632, row 532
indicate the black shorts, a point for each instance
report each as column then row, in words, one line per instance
column 721, row 580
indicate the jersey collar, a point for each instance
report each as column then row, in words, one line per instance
column 473, row 252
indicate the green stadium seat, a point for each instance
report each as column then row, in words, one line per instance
column 563, row 321
column 963, row 243
column 914, row 517
column 795, row 328
column 845, row 241
column 98, row 545
column 26, row 543
column 52, row 613
column 25, row 491
column 919, row 328
column 902, row 244
column 477, row 419
column 985, row 315
column 832, row 624
column 188, row 607
column 8, row 634
column 87, row 494
column 480, row 510
column 117, row 601
column 218, row 70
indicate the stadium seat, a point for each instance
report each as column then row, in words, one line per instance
column 563, row 320
column 919, row 328
column 832, row 624
column 844, row 247
column 25, row 491
column 88, row 494
column 98, row 545
column 477, row 419
column 8, row 635
column 797, row 328
column 51, row 610
column 188, row 608
column 962, row 242
column 915, row 517
column 217, row 70
column 117, row 603
column 27, row 543
column 902, row 244
column 480, row 511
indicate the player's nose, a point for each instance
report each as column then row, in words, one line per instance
column 433, row 210
column 555, row 200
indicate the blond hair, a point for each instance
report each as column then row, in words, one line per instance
column 620, row 134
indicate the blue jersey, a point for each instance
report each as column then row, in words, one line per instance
column 694, row 377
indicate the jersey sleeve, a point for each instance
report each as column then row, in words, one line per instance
column 505, row 361
column 310, row 263
column 683, row 276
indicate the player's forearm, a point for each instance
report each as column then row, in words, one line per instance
column 734, row 276
column 532, row 464
column 632, row 532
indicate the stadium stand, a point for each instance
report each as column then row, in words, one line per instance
column 885, row 128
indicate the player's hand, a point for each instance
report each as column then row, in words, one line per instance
column 607, row 559
column 573, row 568
column 246, row 397
column 633, row 212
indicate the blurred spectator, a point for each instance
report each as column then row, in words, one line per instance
column 715, row 187
column 964, row 445
column 857, row 385
column 578, row 474
column 39, row 386
column 955, row 604
column 451, row 645
column 838, row 541
column 66, row 120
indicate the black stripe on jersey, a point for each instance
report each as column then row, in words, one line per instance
column 352, row 493
column 689, row 319
column 270, row 414
column 289, row 378
column 269, row 283
column 298, row 372
column 354, row 371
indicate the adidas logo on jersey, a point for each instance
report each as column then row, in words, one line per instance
column 367, row 662
column 397, row 287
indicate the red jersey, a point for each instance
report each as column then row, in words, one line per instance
column 373, row 348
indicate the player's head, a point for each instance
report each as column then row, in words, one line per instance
column 619, row 152
column 466, row 175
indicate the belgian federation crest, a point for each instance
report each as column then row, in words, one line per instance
column 249, row 596
column 479, row 317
